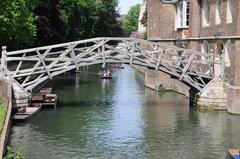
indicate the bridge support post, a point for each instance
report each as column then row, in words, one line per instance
column 214, row 95
column 3, row 62
column 20, row 97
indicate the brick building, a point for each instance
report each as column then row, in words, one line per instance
column 201, row 25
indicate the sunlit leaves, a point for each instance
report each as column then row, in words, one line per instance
column 17, row 24
column 130, row 22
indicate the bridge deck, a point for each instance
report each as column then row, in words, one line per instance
column 28, row 68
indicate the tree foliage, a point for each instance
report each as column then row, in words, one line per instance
column 17, row 28
column 89, row 18
column 130, row 22
column 49, row 25
column 25, row 23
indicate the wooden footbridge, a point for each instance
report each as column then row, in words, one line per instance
column 28, row 68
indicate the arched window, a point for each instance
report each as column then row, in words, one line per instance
column 218, row 11
column 205, row 48
column 229, row 11
column 206, row 12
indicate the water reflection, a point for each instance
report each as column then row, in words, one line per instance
column 119, row 118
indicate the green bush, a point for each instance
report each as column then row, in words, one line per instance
column 145, row 35
column 2, row 115
column 13, row 155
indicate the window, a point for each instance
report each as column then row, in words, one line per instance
column 205, row 12
column 229, row 11
column 218, row 11
column 205, row 49
column 183, row 14
column 227, row 51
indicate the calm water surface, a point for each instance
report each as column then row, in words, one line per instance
column 121, row 119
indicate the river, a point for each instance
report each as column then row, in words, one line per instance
column 121, row 119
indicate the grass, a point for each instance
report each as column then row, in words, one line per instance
column 2, row 115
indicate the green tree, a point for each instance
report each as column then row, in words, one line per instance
column 17, row 24
column 89, row 18
column 79, row 18
column 107, row 22
column 50, row 28
column 130, row 22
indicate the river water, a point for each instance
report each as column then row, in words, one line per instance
column 121, row 119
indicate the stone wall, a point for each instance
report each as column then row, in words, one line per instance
column 4, row 92
column 6, row 96
column 214, row 95
column 158, row 80
column 233, row 99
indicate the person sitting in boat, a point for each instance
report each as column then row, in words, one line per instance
column 108, row 73
column 104, row 73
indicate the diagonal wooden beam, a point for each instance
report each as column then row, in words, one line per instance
column 37, row 64
column 187, row 66
column 44, row 64
column 20, row 64
column 160, row 56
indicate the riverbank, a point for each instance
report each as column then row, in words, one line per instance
column 5, row 114
column 2, row 116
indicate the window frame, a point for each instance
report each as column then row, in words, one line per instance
column 183, row 14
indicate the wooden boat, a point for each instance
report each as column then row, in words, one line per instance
column 25, row 114
column 38, row 98
column 119, row 66
column 50, row 100
column 44, row 100
column 46, row 90
column 234, row 153
column 105, row 75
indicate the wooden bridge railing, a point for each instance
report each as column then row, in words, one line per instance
column 28, row 68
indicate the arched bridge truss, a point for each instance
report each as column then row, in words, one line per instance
column 28, row 68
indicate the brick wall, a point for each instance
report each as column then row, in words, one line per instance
column 235, row 67
column 161, row 19
column 224, row 28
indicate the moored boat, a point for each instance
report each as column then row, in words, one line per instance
column 44, row 98
column 118, row 65
column 25, row 114
column 45, row 90
column 50, row 100
column 37, row 98
column 234, row 153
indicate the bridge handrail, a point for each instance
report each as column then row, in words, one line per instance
column 112, row 39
